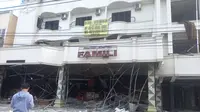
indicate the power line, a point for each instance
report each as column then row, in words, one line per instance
column 60, row 32
column 6, row 0
column 82, row 33
column 37, row 4
column 114, row 44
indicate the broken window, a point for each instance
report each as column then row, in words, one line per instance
column 186, row 42
column 107, row 86
column 183, row 45
column 122, row 16
column 42, row 79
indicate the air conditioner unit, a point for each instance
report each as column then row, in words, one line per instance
column 64, row 16
column 138, row 7
column 98, row 12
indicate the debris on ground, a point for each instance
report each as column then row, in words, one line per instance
column 120, row 110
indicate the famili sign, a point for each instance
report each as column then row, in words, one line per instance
column 97, row 51
column 96, row 27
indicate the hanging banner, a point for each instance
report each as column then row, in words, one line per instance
column 96, row 27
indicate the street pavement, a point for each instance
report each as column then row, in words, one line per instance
column 6, row 108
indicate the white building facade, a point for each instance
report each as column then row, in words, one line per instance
column 151, row 32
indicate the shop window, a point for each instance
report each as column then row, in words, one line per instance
column 122, row 16
column 52, row 25
column 80, row 21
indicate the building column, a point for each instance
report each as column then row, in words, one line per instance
column 106, row 12
column 151, row 87
column 69, row 20
column 171, row 96
column 158, row 10
column 60, row 95
column 2, row 75
column 158, row 95
column 169, row 24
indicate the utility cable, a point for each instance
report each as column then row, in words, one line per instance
column 37, row 4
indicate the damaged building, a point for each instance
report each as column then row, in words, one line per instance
column 108, row 55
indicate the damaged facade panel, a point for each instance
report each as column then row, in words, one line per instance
column 107, row 86
column 41, row 78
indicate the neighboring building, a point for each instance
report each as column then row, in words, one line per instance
column 8, row 23
column 78, row 37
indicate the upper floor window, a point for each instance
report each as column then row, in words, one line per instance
column 80, row 21
column 52, row 25
column 122, row 16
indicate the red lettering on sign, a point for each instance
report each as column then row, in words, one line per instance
column 97, row 53
column 105, row 53
column 80, row 54
column 87, row 54
column 115, row 52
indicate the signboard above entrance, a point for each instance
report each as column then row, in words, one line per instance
column 96, row 27
column 97, row 51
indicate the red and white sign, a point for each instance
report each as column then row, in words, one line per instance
column 97, row 51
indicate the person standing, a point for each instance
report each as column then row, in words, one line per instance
column 23, row 100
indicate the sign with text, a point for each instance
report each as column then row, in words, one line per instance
column 96, row 27
column 97, row 51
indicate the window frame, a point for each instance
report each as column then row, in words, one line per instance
column 121, row 16
column 80, row 20
column 50, row 25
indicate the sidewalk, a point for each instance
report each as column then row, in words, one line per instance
column 6, row 108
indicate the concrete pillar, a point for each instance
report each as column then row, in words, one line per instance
column 151, row 87
column 60, row 95
column 69, row 19
column 158, row 9
column 2, row 74
column 158, row 95
column 169, row 22
column 106, row 12
column 171, row 96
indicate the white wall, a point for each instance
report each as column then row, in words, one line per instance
column 180, row 65
column 142, row 49
column 69, row 6
column 163, row 12
column 52, row 55
column 4, row 20
column 187, row 65
column 167, row 67
column 146, row 14
column 32, row 55
column 26, row 27
column 28, row 17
